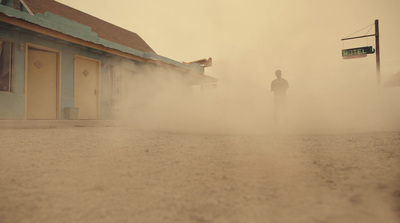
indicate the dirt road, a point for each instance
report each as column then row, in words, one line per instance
column 120, row 174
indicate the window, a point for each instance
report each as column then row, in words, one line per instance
column 6, row 56
column 112, row 80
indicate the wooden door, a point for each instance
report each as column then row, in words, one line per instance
column 87, row 72
column 41, row 84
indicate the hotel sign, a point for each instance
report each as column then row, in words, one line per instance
column 357, row 52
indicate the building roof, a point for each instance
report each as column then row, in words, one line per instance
column 61, row 21
column 103, row 29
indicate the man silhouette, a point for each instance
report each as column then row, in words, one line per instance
column 279, row 86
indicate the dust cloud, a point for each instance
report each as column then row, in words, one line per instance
column 248, row 41
column 332, row 101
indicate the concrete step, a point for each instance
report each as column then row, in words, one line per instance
column 57, row 123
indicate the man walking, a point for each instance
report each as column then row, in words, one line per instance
column 279, row 86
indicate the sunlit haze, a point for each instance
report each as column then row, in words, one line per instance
column 249, row 40
column 300, row 37
column 320, row 145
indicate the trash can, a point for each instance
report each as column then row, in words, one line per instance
column 71, row 113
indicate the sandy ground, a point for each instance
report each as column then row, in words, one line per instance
column 121, row 174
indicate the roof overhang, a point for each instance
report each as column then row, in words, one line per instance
column 202, row 62
column 61, row 28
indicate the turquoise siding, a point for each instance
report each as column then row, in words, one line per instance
column 12, row 105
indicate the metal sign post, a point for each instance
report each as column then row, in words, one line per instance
column 363, row 51
column 378, row 59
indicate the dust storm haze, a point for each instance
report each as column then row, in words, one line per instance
column 213, row 153
column 248, row 41
column 336, row 102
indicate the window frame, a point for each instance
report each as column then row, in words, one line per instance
column 11, row 66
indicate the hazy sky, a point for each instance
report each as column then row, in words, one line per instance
column 297, row 36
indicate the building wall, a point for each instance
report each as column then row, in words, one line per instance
column 12, row 104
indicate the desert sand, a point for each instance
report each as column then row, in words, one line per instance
column 124, row 174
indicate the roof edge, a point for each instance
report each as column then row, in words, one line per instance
column 83, row 32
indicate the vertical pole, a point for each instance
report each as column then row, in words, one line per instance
column 378, row 60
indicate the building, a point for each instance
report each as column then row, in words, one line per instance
column 55, row 58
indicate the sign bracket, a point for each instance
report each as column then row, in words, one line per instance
column 378, row 62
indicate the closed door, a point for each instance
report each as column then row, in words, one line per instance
column 87, row 73
column 41, row 84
